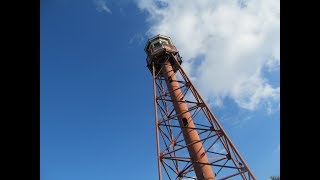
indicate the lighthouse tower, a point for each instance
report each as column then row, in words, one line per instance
column 191, row 143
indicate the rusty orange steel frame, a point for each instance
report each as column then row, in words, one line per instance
column 191, row 143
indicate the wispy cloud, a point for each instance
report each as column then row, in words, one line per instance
column 235, row 118
column 136, row 38
column 277, row 149
column 225, row 44
column 101, row 5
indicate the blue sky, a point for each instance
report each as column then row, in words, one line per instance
column 96, row 106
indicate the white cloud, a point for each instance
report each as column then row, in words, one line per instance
column 225, row 44
column 102, row 6
column 136, row 38
column 277, row 149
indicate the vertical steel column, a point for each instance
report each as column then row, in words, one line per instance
column 197, row 153
column 156, row 120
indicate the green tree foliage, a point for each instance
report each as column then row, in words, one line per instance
column 275, row 177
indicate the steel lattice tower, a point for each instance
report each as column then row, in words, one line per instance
column 191, row 143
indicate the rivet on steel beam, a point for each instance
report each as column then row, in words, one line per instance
column 228, row 156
